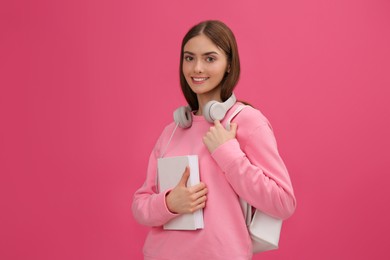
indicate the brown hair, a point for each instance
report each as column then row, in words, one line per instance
column 224, row 38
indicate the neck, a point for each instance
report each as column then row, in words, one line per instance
column 206, row 97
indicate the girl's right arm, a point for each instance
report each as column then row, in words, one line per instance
column 155, row 209
column 149, row 207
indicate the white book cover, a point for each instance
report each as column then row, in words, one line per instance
column 170, row 171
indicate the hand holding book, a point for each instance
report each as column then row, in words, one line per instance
column 187, row 195
column 183, row 199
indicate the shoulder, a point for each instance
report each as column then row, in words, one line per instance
column 167, row 131
column 168, row 128
column 164, row 136
column 252, row 125
column 250, row 117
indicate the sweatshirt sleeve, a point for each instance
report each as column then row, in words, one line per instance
column 149, row 207
column 257, row 173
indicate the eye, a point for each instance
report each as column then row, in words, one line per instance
column 188, row 58
column 210, row 59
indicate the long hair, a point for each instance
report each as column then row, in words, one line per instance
column 224, row 38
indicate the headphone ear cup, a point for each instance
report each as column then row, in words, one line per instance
column 214, row 110
column 183, row 117
column 218, row 111
column 207, row 114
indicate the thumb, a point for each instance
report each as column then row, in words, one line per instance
column 233, row 128
column 184, row 177
column 217, row 122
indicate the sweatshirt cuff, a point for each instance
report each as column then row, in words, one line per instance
column 227, row 153
column 162, row 207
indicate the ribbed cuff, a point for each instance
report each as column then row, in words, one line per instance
column 162, row 208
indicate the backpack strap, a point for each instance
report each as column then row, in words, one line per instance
column 238, row 110
column 246, row 208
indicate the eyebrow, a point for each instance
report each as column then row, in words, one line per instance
column 204, row 54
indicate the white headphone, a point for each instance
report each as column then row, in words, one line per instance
column 213, row 110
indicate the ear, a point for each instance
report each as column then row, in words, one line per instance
column 228, row 68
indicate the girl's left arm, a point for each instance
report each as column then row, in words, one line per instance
column 257, row 172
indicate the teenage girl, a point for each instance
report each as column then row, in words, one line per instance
column 240, row 162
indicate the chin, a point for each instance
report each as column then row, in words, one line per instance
column 200, row 91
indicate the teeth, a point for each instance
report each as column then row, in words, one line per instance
column 199, row 79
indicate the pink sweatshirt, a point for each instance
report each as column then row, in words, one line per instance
column 248, row 166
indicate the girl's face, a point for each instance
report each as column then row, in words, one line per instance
column 204, row 65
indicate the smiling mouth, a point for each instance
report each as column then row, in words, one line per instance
column 199, row 80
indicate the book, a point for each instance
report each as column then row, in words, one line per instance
column 169, row 172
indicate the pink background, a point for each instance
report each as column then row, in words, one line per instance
column 87, row 86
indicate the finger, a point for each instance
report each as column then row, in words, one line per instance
column 217, row 123
column 198, row 187
column 233, row 128
column 202, row 192
column 199, row 194
column 184, row 177
column 197, row 207
column 199, row 201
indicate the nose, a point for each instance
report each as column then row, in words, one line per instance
column 198, row 68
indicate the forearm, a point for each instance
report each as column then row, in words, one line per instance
column 150, row 209
column 261, row 180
